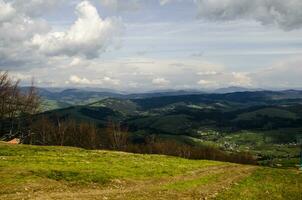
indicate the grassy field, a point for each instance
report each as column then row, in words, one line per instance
column 33, row 172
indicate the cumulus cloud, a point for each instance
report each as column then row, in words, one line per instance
column 31, row 46
column 111, row 81
column 16, row 28
column 74, row 79
column 76, row 62
column 26, row 39
column 241, row 79
column 207, row 83
column 88, row 36
column 21, row 29
column 160, row 81
column 6, row 11
column 285, row 14
column 106, row 81
column 213, row 79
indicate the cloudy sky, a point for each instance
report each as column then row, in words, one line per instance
column 139, row 45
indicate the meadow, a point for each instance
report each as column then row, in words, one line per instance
column 40, row 172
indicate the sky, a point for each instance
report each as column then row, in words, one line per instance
column 143, row 45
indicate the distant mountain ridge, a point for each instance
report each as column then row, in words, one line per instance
column 235, row 89
column 54, row 98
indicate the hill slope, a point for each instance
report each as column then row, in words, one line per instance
column 32, row 172
column 265, row 123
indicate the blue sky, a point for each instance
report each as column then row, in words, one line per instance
column 139, row 45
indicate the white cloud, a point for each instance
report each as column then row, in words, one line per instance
column 282, row 74
column 20, row 76
column 16, row 28
column 77, row 80
column 207, row 73
column 6, row 11
column 241, row 79
column 213, row 79
column 106, row 81
column 16, row 25
column 160, row 81
column 63, row 50
column 76, row 62
column 285, row 14
column 111, row 81
column 21, row 29
column 207, row 83
column 88, row 36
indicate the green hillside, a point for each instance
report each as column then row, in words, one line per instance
column 36, row 172
column 123, row 106
column 269, row 112
column 266, row 124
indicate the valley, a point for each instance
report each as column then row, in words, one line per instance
column 268, row 124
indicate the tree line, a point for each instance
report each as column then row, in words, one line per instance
column 18, row 118
column 16, row 106
column 115, row 137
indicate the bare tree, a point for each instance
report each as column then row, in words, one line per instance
column 64, row 133
column 15, row 105
column 117, row 136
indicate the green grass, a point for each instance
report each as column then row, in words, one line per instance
column 83, row 166
column 37, row 172
column 191, row 184
column 267, row 183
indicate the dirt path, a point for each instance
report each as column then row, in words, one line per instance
column 205, row 183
